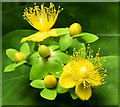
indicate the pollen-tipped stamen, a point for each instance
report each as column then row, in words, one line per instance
column 42, row 18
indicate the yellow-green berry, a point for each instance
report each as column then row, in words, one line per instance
column 44, row 51
column 75, row 29
column 50, row 81
column 19, row 56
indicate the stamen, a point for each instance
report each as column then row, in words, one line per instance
column 58, row 72
column 42, row 19
column 93, row 69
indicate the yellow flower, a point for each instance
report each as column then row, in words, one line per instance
column 41, row 19
column 83, row 72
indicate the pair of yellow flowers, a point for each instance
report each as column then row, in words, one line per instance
column 81, row 73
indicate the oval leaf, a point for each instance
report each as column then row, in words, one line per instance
column 38, row 84
column 25, row 49
column 76, row 44
column 61, row 56
column 54, row 67
column 86, row 37
column 10, row 68
column 33, row 58
column 72, row 93
column 42, row 67
column 62, row 31
column 39, row 70
column 48, row 94
column 10, row 53
column 20, row 63
column 53, row 47
column 60, row 90
column 65, row 42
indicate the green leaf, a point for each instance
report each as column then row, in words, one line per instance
column 65, row 42
column 107, row 48
column 78, row 35
column 86, row 37
column 49, row 94
column 76, row 44
column 38, row 84
column 61, row 56
column 33, row 58
column 42, row 67
column 10, row 67
column 62, row 31
column 20, row 63
column 60, row 90
column 107, row 94
column 54, row 67
column 48, row 41
column 25, row 49
column 10, row 53
column 54, row 47
column 39, row 70
column 72, row 93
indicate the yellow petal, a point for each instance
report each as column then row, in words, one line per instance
column 83, row 93
column 95, row 80
column 37, row 37
column 67, row 67
column 66, row 80
column 70, row 67
column 53, row 33
column 40, row 36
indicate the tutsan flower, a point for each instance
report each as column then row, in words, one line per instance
column 83, row 72
column 41, row 19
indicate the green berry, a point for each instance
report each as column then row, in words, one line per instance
column 75, row 29
column 19, row 57
column 44, row 51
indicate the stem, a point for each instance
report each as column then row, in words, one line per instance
column 34, row 46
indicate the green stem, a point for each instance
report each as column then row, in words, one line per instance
column 34, row 46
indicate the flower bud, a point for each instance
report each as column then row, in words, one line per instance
column 19, row 57
column 50, row 81
column 44, row 51
column 75, row 29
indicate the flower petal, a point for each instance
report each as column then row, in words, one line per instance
column 53, row 33
column 37, row 37
column 83, row 93
column 66, row 80
column 95, row 80
column 69, row 67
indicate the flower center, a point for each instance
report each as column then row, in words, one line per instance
column 84, row 72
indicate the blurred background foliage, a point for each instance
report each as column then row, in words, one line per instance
column 97, row 18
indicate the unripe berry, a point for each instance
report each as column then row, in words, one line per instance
column 50, row 81
column 44, row 51
column 19, row 57
column 75, row 29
